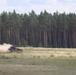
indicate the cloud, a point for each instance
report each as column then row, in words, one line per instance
column 25, row 6
column 71, row 0
column 53, row 6
column 2, row 2
column 51, row 1
column 26, row 1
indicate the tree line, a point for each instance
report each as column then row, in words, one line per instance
column 44, row 29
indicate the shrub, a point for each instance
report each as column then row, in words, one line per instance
column 40, row 45
column 52, row 55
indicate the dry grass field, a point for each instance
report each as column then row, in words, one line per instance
column 39, row 61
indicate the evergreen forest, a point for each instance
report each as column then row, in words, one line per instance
column 57, row 30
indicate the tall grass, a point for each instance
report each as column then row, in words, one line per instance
column 39, row 61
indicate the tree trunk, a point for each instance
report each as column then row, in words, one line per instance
column 45, row 38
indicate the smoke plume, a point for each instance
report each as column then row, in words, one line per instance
column 5, row 47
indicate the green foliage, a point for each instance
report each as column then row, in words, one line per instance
column 23, row 43
column 45, row 29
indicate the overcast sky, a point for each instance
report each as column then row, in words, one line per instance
column 25, row 6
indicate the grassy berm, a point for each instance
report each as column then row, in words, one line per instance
column 39, row 61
